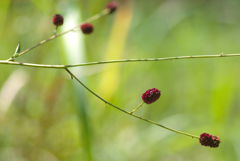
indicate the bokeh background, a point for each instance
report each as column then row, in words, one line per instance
column 46, row 116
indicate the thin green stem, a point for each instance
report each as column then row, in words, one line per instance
column 95, row 17
column 137, row 107
column 55, row 31
column 129, row 113
column 117, row 61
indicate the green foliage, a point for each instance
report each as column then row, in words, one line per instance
column 51, row 117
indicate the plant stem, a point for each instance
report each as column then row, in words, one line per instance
column 117, row 61
column 95, row 17
column 129, row 113
column 137, row 107
column 55, row 31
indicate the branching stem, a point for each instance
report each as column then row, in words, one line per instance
column 97, row 16
column 129, row 113
column 10, row 61
column 137, row 107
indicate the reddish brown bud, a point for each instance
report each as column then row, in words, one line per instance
column 112, row 6
column 57, row 20
column 209, row 140
column 151, row 95
column 87, row 28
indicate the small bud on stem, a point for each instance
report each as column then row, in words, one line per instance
column 209, row 140
column 57, row 20
column 112, row 6
column 151, row 95
column 87, row 28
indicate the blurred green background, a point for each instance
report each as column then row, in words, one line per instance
column 46, row 116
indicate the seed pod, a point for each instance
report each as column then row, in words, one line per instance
column 87, row 28
column 209, row 140
column 151, row 95
column 57, row 20
column 112, row 6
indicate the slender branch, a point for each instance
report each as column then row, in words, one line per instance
column 129, row 113
column 117, row 61
column 97, row 16
column 137, row 107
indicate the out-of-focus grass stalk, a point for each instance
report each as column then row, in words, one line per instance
column 4, row 8
column 74, row 51
column 118, row 36
column 10, row 89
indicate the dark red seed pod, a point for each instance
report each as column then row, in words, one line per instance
column 57, row 20
column 112, row 6
column 216, row 141
column 151, row 95
column 87, row 28
column 209, row 140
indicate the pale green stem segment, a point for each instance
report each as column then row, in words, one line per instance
column 55, row 31
column 137, row 107
column 116, row 61
column 129, row 113
column 97, row 16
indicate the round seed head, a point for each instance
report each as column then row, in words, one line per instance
column 57, row 20
column 209, row 140
column 112, row 6
column 87, row 28
column 151, row 95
